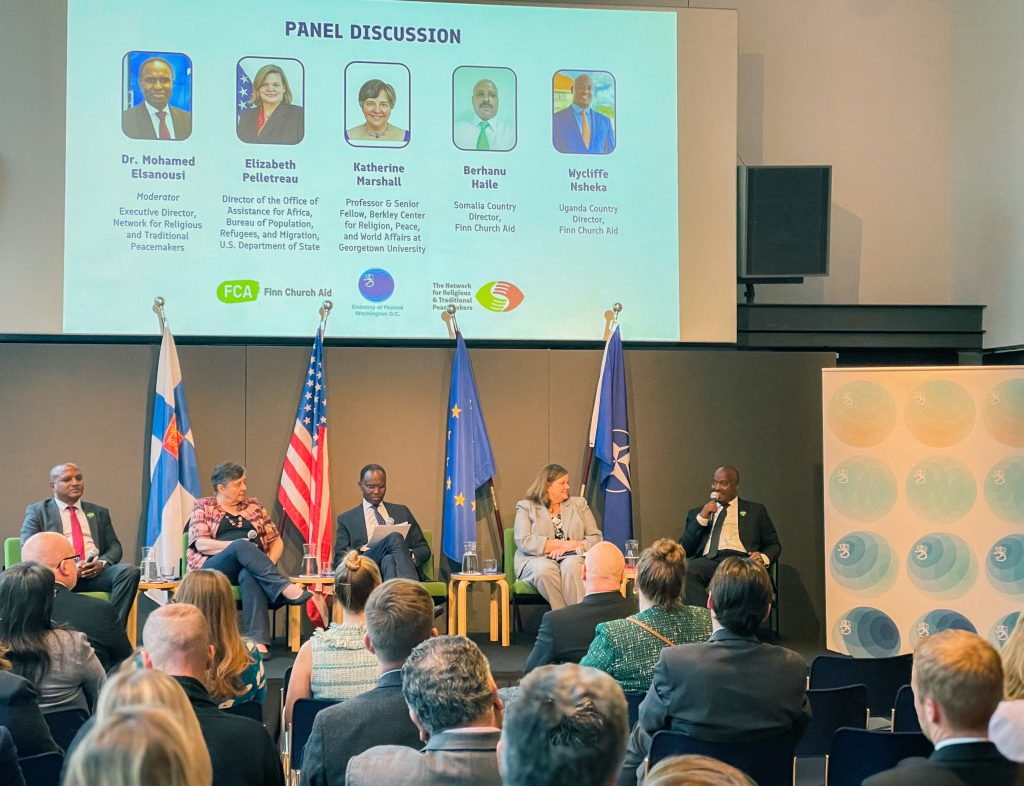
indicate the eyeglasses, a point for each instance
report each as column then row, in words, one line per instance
column 75, row 557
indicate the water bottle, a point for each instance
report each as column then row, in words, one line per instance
column 470, row 560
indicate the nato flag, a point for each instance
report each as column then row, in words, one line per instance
column 609, row 436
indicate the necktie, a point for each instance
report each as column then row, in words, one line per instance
column 380, row 518
column 716, row 530
column 481, row 141
column 586, row 129
column 164, row 131
column 77, row 538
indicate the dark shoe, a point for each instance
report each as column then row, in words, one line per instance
column 299, row 601
column 265, row 656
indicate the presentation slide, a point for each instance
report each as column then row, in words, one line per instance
column 247, row 162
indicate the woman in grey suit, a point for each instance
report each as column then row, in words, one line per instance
column 552, row 531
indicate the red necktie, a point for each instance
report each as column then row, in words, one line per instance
column 77, row 539
column 164, row 131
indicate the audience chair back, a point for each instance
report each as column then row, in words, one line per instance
column 857, row 753
column 769, row 762
column 633, row 705
column 9, row 758
column 247, row 709
column 303, row 713
column 904, row 714
column 64, row 724
column 882, row 676
column 831, row 709
column 43, row 769
column 437, row 590
column 520, row 593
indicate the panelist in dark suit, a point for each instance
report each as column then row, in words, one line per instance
column 741, row 528
column 579, row 128
column 91, row 534
column 565, row 634
column 958, row 682
column 96, row 618
column 397, row 557
column 154, row 118
column 732, row 687
column 273, row 119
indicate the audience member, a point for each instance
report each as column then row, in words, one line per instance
column 1006, row 729
column 957, row 681
column 568, row 725
column 96, row 618
column 236, row 675
column 19, row 712
column 695, row 771
column 176, row 640
column 58, row 662
column 138, row 746
column 628, row 648
column 731, row 688
column 90, row 532
column 399, row 615
column 566, row 633
column 454, row 703
column 334, row 663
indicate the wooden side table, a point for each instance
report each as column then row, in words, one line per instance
column 295, row 612
column 458, row 611
column 133, row 616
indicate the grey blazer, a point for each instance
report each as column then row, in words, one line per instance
column 450, row 758
column 43, row 516
column 534, row 527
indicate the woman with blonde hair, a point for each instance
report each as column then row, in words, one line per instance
column 137, row 745
column 236, row 675
column 1006, row 728
column 334, row 663
column 628, row 649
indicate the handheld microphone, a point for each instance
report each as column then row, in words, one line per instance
column 93, row 554
column 251, row 534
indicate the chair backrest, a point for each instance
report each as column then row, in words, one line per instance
column 883, row 677
column 509, row 557
column 769, row 762
column 12, row 552
column 247, row 709
column 831, row 709
column 43, row 769
column 633, row 705
column 64, row 724
column 904, row 713
column 857, row 754
column 428, row 569
column 303, row 713
column 9, row 759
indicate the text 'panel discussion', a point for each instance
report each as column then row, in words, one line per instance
column 524, row 393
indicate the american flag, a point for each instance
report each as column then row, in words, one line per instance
column 305, row 493
column 243, row 91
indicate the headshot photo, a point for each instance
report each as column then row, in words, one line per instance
column 157, row 96
column 377, row 104
column 484, row 108
column 584, row 112
column 269, row 102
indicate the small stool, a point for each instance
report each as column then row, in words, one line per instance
column 133, row 615
column 458, row 611
column 295, row 612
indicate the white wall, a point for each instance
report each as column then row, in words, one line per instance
column 988, row 163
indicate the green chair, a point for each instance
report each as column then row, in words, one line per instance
column 437, row 589
column 12, row 556
column 520, row 593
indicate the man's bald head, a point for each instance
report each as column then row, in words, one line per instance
column 54, row 551
column 602, row 567
column 176, row 640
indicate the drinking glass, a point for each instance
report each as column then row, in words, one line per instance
column 490, row 566
column 470, row 560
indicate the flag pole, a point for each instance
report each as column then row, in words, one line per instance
column 325, row 311
column 611, row 319
column 158, row 309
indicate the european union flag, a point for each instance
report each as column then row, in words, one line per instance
column 609, row 437
column 469, row 463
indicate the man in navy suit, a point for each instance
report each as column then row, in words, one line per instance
column 397, row 557
column 90, row 532
column 580, row 129
column 725, row 526
column 957, row 682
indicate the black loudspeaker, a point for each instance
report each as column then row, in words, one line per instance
column 783, row 221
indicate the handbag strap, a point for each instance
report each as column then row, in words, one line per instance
column 651, row 630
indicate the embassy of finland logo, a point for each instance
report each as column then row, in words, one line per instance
column 499, row 296
column 376, row 285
